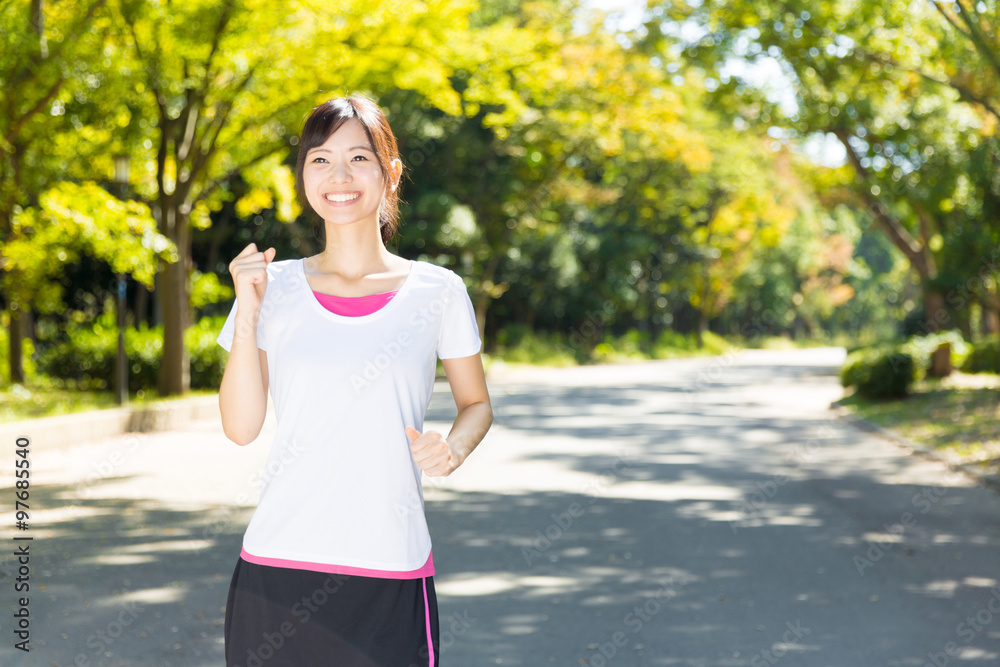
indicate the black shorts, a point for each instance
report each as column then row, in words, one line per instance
column 283, row 617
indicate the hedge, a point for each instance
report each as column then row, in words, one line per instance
column 880, row 372
column 984, row 357
column 87, row 358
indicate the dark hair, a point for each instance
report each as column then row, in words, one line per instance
column 327, row 119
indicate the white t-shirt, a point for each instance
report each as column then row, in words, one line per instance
column 340, row 486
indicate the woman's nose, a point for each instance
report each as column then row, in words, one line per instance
column 339, row 173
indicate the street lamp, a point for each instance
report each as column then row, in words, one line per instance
column 121, row 363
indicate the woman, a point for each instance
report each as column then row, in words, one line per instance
column 336, row 566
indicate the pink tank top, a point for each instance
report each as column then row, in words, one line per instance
column 354, row 306
column 351, row 306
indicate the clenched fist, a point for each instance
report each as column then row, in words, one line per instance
column 249, row 271
column 432, row 453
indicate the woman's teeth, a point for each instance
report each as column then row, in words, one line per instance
column 342, row 198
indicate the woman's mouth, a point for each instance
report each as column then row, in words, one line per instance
column 341, row 197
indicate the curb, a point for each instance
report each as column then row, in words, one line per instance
column 61, row 431
column 985, row 479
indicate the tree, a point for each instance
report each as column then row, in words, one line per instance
column 71, row 220
column 39, row 81
column 226, row 85
column 884, row 78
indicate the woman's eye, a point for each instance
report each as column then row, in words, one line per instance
column 319, row 158
column 360, row 156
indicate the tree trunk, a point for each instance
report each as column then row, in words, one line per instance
column 530, row 315
column 941, row 361
column 140, row 306
column 990, row 323
column 14, row 330
column 481, row 299
column 917, row 252
column 16, row 350
column 936, row 315
column 653, row 311
column 175, row 374
column 482, row 304
column 965, row 323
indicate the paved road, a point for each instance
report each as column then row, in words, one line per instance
column 705, row 512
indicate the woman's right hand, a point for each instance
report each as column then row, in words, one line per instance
column 249, row 271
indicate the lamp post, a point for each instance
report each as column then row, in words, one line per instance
column 121, row 363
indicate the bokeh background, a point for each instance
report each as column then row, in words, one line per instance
column 612, row 181
column 615, row 182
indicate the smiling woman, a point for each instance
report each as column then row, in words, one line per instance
column 339, row 167
column 336, row 566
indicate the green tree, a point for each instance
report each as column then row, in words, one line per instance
column 56, row 117
column 72, row 220
column 225, row 86
column 887, row 80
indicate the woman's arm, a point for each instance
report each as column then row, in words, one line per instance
column 439, row 456
column 243, row 392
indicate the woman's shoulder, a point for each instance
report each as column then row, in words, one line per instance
column 282, row 278
column 282, row 267
column 435, row 272
column 284, row 264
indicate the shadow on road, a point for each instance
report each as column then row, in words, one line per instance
column 124, row 581
column 711, row 546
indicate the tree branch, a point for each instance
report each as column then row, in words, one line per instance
column 896, row 232
column 232, row 173
column 203, row 153
column 189, row 123
column 949, row 19
column 926, row 232
column 152, row 73
column 42, row 103
column 884, row 59
column 31, row 67
column 216, row 38
column 195, row 100
column 977, row 38
column 964, row 92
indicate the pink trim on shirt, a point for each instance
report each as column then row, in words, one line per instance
column 426, row 570
column 354, row 306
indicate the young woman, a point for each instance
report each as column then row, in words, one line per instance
column 336, row 567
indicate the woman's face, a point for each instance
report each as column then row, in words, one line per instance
column 342, row 177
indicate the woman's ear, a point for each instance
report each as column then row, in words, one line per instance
column 397, row 171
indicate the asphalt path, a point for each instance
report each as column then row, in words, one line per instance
column 700, row 512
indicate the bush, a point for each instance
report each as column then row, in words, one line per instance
column 519, row 344
column 914, row 323
column 511, row 335
column 87, row 358
column 984, row 357
column 208, row 358
column 880, row 372
column 670, row 341
column 921, row 347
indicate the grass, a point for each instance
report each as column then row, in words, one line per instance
column 958, row 416
column 559, row 350
column 45, row 398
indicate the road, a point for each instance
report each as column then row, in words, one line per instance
column 700, row 512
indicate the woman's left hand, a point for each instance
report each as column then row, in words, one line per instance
column 432, row 452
